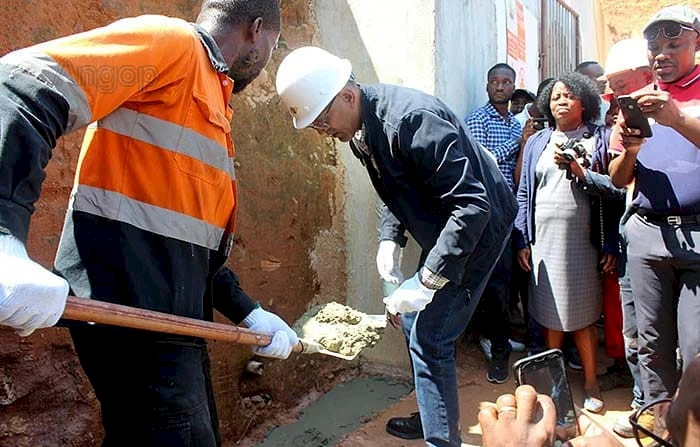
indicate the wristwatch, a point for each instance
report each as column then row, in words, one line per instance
column 431, row 279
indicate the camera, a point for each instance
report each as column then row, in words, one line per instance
column 573, row 150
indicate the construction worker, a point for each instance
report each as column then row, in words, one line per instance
column 440, row 186
column 153, row 207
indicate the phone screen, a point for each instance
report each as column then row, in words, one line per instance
column 547, row 374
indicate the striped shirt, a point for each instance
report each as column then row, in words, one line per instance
column 500, row 136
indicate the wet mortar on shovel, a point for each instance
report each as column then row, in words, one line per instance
column 341, row 331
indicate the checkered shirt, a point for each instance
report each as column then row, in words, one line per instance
column 489, row 129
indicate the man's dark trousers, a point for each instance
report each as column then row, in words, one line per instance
column 664, row 266
column 493, row 308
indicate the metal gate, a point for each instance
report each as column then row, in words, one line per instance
column 560, row 49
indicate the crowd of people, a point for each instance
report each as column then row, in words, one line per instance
column 548, row 199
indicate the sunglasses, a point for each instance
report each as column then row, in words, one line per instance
column 321, row 121
column 652, row 431
column 671, row 30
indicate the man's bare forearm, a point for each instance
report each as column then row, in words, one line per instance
column 622, row 169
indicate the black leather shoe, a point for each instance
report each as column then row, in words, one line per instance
column 405, row 428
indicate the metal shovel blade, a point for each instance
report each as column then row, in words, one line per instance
column 312, row 347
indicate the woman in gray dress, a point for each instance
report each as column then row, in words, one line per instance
column 567, row 231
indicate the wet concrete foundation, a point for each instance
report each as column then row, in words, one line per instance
column 345, row 408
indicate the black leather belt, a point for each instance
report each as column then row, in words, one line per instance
column 659, row 218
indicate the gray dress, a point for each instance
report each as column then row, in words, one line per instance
column 565, row 290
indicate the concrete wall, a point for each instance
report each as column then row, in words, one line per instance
column 466, row 47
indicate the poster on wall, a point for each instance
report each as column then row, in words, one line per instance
column 522, row 44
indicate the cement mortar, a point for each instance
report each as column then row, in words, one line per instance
column 342, row 410
column 339, row 328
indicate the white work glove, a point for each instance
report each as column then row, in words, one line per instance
column 388, row 264
column 31, row 297
column 283, row 340
column 411, row 296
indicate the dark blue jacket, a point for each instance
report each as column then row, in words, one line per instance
column 597, row 185
column 438, row 182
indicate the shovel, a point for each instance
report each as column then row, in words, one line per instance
column 93, row 311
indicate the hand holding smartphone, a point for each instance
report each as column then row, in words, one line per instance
column 547, row 374
column 634, row 118
column 540, row 123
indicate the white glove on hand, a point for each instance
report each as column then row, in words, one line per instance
column 283, row 340
column 31, row 297
column 411, row 296
column 388, row 264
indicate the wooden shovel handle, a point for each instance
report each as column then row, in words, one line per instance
column 82, row 309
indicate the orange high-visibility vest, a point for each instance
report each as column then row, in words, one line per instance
column 158, row 154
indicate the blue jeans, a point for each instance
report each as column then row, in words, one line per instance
column 431, row 335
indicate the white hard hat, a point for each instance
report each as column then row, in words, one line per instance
column 308, row 79
column 628, row 54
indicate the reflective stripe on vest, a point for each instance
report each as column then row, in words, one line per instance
column 168, row 136
column 158, row 176
column 52, row 74
column 113, row 205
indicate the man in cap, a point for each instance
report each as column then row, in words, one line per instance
column 441, row 187
column 662, row 225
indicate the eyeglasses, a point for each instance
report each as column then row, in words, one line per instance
column 321, row 121
column 652, row 427
column 672, row 30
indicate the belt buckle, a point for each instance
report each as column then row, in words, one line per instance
column 674, row 220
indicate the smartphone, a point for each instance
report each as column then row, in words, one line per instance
column 547, row 374
column 540, row 123
column 634, row 118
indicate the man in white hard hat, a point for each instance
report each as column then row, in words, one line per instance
column 627, row 67
column 627, row 70
column 441, row 187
